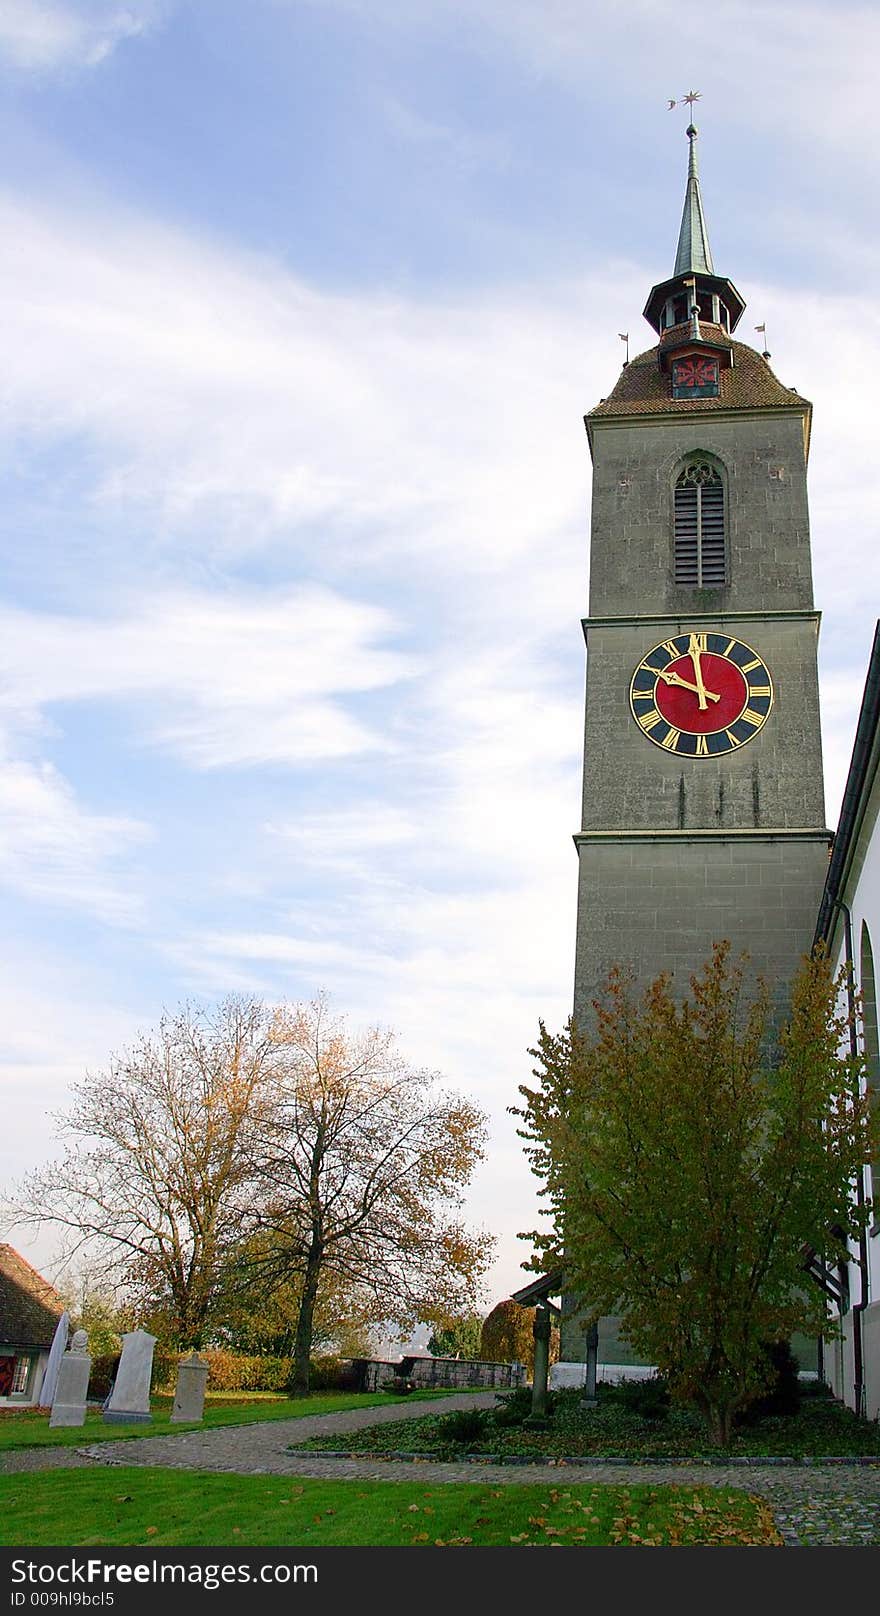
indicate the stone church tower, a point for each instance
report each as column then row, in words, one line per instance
column 703, row 806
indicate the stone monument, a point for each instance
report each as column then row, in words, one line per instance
column 59, row 1347
column 69, row 1403
column 189, row 1396
column 129, row 1401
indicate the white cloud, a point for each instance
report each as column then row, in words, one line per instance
column 242, row 680
column 219, row 392
column 812, row 66
column 53, row 849
column 40, row 37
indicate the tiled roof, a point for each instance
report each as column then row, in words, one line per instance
column 29, row 1306
column 749, row 384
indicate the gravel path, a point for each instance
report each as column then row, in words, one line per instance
column 837, row 1504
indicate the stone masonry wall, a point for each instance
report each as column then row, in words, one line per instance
column 764, row 471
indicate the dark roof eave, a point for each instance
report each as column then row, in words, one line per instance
column 859, row 780
column 539, row 1290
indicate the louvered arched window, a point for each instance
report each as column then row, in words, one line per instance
column 700, row 551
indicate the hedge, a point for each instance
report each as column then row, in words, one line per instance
column 229, row 1372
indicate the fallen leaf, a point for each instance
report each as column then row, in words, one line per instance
column 152, row 1530
column 123, row 1498
column 413, row 1509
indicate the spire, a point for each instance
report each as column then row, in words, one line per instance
column 694, row 253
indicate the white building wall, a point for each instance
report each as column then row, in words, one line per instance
column 863, row 899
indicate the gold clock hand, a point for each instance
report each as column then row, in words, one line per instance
column 676, row 679
column 694, row 654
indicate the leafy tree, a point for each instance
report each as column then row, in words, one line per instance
column 158, row 1181
column 690, row 1154
column 459, row 1338
column 364, row 1164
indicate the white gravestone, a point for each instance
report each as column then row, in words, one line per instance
column 69, row 1403
column 129, row 1401
column 189, row 1397
column 50, row 1376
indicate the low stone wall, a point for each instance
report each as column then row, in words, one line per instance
column 429, row 1372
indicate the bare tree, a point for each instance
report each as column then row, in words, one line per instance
column 159, row 1177
column 365, row 1163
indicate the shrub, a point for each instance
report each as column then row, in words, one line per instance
column 512, row 1408
column 783, row 1394
column 647, row 1398
column 465, row 1426
column 332, row 1374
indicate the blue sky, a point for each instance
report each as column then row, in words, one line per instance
column 303, row 304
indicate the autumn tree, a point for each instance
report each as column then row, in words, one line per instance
column 507, row 1335
column 690, row 1155
column 364, row 1166
column 158, row 1181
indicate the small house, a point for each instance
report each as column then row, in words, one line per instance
column 29, row 1312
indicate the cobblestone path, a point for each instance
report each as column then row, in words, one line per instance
column 836, row 1504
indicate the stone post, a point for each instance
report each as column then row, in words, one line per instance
column 541, row 1334
column 189, row 1396
column 69, row 1405
column 589, row 1397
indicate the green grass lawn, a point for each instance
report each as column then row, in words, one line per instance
column 822, row 1426
column 173, row 1508
column 23, row 1428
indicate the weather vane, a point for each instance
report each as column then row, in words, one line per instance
column 687, row 100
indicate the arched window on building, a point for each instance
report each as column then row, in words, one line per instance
column 700, row 547
column 870, row 1026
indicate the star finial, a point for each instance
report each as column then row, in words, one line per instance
column 692, row 96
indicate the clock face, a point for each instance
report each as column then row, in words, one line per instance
column 701, row 694
column 694, row 377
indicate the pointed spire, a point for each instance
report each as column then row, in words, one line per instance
column 694, row 253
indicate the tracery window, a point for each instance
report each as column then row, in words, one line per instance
column 700, row 549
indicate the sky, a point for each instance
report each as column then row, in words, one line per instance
column 303, row 303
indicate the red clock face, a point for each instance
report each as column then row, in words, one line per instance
column 679, row 703
column 701, row 694
column 696, row 372
column 695, row 377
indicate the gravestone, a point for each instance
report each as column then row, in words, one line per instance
column 59, row 1347
column 129, row 1401
column 189, row 1395
column 69, row 1403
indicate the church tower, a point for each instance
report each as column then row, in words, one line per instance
column 703, row 806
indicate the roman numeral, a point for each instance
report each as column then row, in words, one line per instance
column 649, row 720
column 672, row 650
column 759, row 690
column 697, row 642
column 728, row 647
column 643, row 695
column 748, row 666
column 749, row 717
column 702, row 747
column 671, row 739
column 733, row 739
